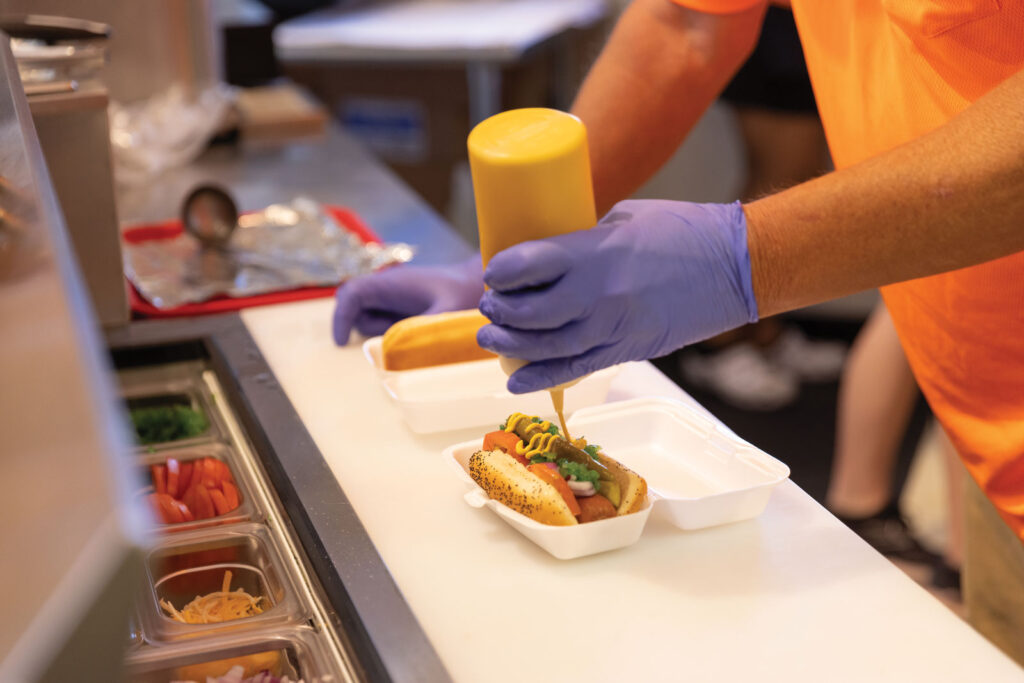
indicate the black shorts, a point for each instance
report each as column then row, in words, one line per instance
column 775, row 76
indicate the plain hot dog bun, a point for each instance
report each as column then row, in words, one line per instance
column 426, row 340
column 509, row 483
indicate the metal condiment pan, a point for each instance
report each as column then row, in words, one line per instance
column 191, row 564
column 248, row 509
column 177, row 382
column 300, row 655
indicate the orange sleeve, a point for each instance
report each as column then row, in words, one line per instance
column 719, row 6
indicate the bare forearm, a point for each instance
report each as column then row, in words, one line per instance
column 662, row 67
column 950, row 199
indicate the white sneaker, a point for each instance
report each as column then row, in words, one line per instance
column 742, row 376
column 812, row 361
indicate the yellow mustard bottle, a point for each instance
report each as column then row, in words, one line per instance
column 531, row 180
column 531, row 177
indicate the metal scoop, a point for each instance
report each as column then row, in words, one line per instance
column 210, row 215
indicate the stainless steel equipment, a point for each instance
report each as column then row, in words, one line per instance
column 83, row 569
column 294, row 635
column 75, row 138
column 59, row 60
column 70, row 538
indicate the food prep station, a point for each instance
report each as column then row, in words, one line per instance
column 292, row 635
column 353, row 531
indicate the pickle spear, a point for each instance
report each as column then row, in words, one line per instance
column 563, row 449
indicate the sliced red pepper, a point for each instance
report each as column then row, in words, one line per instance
column 552, row 477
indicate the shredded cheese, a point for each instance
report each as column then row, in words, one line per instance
column 222, row 605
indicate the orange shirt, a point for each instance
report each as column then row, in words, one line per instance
column 885, row 72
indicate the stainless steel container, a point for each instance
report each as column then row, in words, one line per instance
column 248, row 508
column 190, row 565
column 293, row 652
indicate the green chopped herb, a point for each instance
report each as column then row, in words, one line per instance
column 553, row 430
column 536, row 420
column 592, row 450
column 568, row 468
column 543, row 457
column 501, row 427
column 158, row 424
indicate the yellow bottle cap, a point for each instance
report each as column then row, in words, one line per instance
column 531, row 177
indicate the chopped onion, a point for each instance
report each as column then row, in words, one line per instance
column 581, row 488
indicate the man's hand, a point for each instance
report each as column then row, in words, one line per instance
column 650, row 278
column 373, row 303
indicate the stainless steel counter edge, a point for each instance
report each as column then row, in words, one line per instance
column 388, row 642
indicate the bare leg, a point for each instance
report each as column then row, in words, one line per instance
column 876, row 396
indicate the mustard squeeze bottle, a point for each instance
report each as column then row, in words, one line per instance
column 531, row 180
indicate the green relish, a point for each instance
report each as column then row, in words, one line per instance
column 567, row 468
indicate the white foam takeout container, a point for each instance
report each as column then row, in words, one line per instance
column 699, row 474
column 458, row 395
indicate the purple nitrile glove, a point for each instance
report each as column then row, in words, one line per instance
column 373, row 303
column 652, row 276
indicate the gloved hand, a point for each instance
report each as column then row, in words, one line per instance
column 651, row 277
column 372, row 303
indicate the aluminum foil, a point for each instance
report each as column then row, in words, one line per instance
column 284, row 246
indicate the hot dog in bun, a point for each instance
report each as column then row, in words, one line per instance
column 530, row 467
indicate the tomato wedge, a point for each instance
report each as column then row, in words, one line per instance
column 504, row 441
column 185, row 477
column 212, row 473
column 159, row 474
column 225, row 471
column 189, row 501
column 166, row 508
column 186, row 514
column 173, row 477
column 220, row 504
column 172, row 514
column 231, row 495
column 552, row 477
column 154, row 503
column 204, row 503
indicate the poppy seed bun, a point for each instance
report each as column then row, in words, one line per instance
column 509, row 483
column 632, row 487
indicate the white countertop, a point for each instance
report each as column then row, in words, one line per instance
column 790, row 596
